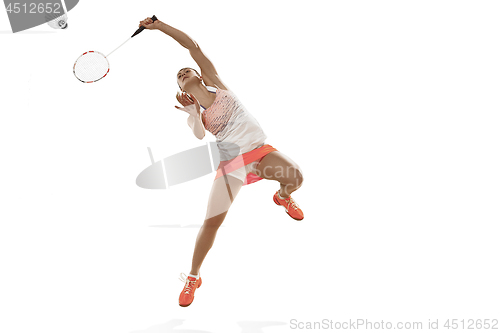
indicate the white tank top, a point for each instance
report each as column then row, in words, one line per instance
column 236, row 130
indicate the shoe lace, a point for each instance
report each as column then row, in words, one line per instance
column 189, row 284
column 291, row 203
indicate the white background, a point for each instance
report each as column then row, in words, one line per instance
column 390, row 108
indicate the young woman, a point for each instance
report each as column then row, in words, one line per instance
column 245, row 158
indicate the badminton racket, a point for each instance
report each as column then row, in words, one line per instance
column 93, row 66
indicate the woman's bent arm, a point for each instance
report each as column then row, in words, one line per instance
column 194, row 121
column 192, row 107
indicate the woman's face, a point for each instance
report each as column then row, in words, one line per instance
column 184, row 76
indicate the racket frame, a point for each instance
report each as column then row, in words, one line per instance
column 138, row 31
column 82, row 56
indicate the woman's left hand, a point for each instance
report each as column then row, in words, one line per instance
column 190, row 104
column 185, row 99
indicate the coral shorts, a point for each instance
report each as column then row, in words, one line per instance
column 244, row 166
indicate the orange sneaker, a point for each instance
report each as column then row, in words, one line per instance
column 291, row 206
column 187, row 294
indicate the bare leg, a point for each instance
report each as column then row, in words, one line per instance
column 224, row 190
column 277, row 166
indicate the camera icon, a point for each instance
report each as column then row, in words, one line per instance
column 185, row 166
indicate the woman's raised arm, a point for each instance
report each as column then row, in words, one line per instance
column 208, row 71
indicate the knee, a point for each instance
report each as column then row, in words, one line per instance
column 295, row 177
column 214, row 222
column 299, row 178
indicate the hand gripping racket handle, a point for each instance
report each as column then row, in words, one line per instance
column 138, row 31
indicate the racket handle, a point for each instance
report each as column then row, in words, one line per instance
column 138, row 31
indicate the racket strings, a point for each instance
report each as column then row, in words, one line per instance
column 91, row 66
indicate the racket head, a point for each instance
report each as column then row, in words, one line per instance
column 91, row 67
